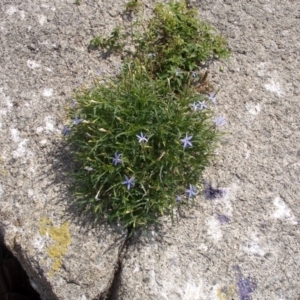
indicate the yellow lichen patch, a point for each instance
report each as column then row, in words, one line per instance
column 226, row 293
column 45, row 225
column 2, row 171
column 62, row 239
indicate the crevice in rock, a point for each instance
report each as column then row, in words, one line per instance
column 112, row 292
column 14, row 281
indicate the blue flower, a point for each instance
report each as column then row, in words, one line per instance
column 191, row 191
column 202, row 105
column 186, row 141
column 212, row 97
column 220, row 121
column 66, row 130
column 194, row 106
column 178, row 198
column 129, row 182
column 117, row 159
column 142, row 138
column 76, row 121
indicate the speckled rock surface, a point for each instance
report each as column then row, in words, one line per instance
column 244, row 244
column 43, row 58
column 201, row 258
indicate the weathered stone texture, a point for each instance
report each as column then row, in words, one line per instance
column 44, row 57
column 258, row 164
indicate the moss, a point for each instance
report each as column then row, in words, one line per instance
column 62, row 239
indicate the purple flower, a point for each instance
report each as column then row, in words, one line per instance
column 191, row 191
column 186, row 141
column 246, row 285
column 202, row 105
column 142, row 138
column 178, row 198
column 223, row 219
column 213, row 193
column 76, row 121
column 117, row 159
column 129, row 182
column 212, row 97
column 220, row 121
column 66, row 130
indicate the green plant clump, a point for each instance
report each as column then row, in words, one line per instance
column 133, row 6
column 172, row 44
column 142, row 140
column 176, row 42
column 113, row 43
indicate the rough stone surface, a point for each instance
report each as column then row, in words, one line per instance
column 44, row 57
column 258, row 164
